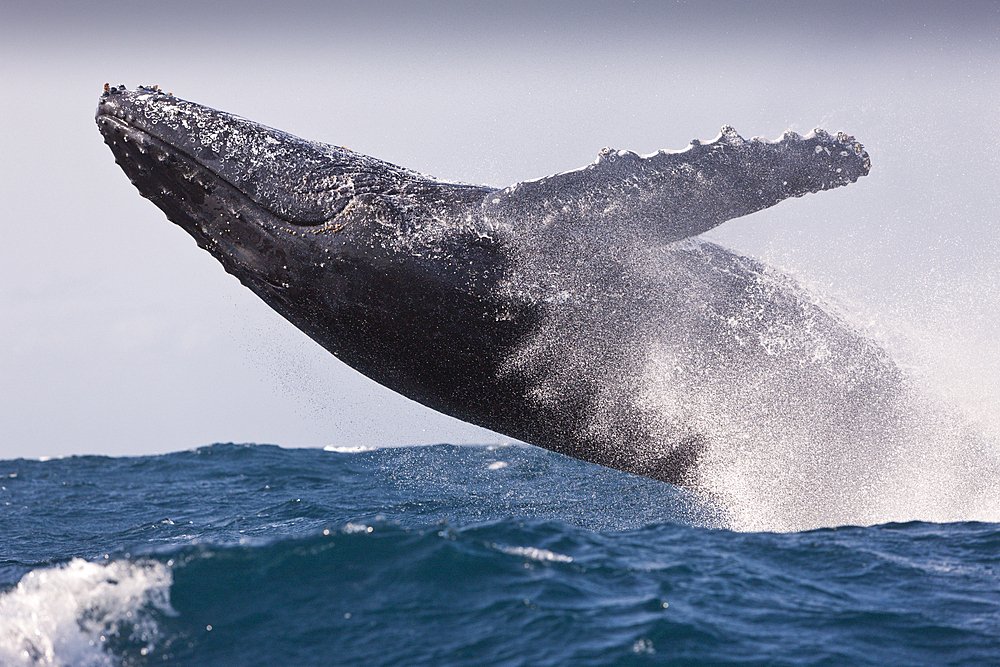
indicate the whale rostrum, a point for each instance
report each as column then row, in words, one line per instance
column 546, row 311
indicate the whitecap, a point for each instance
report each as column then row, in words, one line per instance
column 535, row 553
column 349, row 449
column 64, row 615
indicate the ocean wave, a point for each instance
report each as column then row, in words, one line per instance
column 524, row 593
column 253, row 555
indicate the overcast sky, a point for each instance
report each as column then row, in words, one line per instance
column 120, row 336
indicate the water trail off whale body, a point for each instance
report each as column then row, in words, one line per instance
column 806, row 424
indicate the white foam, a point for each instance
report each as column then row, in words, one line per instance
column 65, row 615
column 349, row 449
column 535, row 553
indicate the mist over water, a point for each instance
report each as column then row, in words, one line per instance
column 809, row 417
column 932, row 455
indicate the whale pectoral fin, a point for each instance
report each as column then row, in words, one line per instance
column 674, row 195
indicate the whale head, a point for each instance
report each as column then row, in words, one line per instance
column 360, row 254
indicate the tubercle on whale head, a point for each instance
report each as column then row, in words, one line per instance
column 294, row 179
column 301, row 183
column 110, row 90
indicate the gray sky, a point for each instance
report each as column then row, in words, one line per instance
column 121, row 337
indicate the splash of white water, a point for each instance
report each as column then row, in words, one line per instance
column 67, row 615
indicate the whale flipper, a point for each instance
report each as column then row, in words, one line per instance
column 674, row 195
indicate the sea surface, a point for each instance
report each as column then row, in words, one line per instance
column 445, row 555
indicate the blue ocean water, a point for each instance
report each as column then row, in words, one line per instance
column 444, row 555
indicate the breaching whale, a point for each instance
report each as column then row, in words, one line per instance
column 578, row 312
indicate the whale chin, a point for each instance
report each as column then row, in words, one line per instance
column 221, row 218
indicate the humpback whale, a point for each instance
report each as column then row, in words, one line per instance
column 579, row 312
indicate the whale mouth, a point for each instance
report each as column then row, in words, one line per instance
column 164, row 174
column 221, row 217
column 148, row 158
